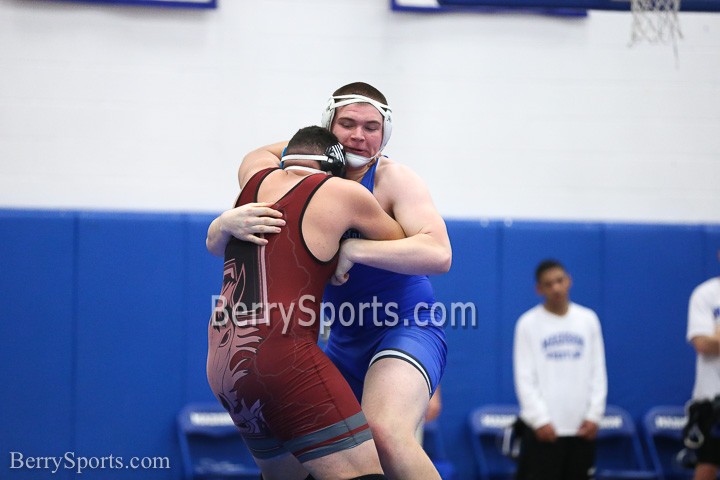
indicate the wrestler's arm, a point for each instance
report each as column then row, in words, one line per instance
column 426, row 250
column 247, row 221
column 365, row 214
column 263, row 157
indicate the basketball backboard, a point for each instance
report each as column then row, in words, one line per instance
column 556, row 6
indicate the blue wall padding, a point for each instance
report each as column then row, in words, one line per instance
column 104, row 317
column 131, row 348
column 711, row 236
column 650, row 272
column 37, row 298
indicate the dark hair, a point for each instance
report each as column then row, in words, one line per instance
column 312, row 140
column 361, row 88
column 546, row 265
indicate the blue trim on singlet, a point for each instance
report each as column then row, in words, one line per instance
column 368, row 180
column 387, row 320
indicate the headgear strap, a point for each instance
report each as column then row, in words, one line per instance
column 333, row 161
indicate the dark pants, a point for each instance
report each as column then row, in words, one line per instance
column 567, row 458
column 709, row 451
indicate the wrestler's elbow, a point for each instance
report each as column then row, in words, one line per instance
column 439, row 255
column 443, row 261
column 447, row 262
column 433, row 256
column 215, row 245
column 212, row 247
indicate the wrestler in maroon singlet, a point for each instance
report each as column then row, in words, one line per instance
column 264, row 363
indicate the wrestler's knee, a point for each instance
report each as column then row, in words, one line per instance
column 390, row 437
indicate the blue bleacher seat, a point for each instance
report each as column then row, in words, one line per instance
column 662, row 426
column 619, row 451
column 487, row 426
column 211, row 445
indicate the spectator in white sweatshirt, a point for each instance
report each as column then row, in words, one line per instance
column 560, row 381
column 703, row 332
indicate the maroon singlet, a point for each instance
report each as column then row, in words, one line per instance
column 264, row 364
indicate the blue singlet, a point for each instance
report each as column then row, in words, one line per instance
column 380, row 314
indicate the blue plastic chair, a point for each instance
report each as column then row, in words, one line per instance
column 435, row 448
column 663, row 427
column 211, row 445
column 619, row 451
column 487, row 426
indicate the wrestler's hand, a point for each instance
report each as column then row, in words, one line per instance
column 247, row 221
column 344, row 264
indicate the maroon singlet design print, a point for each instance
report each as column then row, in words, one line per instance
column 241, row 306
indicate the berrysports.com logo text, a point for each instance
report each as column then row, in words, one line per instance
column 376, row 313
column 79, row 464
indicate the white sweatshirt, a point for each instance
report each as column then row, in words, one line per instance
column 559, row 368
column 703, row 319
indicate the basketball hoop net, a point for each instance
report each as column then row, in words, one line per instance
column 655, row 21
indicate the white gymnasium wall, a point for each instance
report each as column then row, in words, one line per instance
column 505, row 116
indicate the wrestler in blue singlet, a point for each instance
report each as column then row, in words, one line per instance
column 394, row 330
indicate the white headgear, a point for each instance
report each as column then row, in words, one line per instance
column 342, row 100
